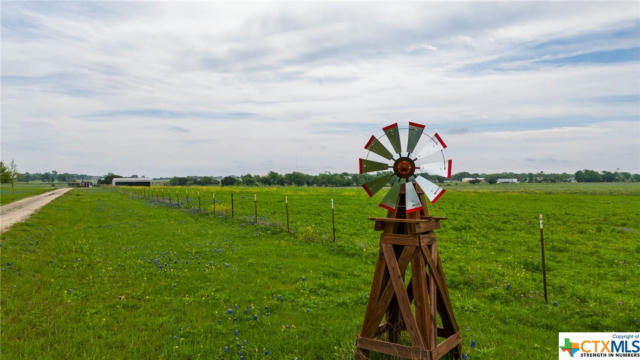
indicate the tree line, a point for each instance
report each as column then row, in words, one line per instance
column 10, row 174
column 347, row 179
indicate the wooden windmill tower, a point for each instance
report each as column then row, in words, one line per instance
column 408, row 317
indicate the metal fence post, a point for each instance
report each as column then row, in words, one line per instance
column 286, row 208
column 333, row 222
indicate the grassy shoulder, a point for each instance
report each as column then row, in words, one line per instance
column 19, row 191
column 96, row 274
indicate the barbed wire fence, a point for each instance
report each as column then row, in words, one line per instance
column 267, row 209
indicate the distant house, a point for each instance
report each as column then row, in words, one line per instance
column 507, row 181
column 131, row 182
column 472, row 180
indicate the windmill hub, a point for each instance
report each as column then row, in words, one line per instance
column 404, row 167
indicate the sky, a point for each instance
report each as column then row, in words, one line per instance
column 193, row 88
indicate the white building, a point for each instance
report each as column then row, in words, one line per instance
column 507, row 181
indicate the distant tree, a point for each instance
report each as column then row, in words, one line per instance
column 108, row 179
column 492, row 179
column 273, row 178
column 178, row 181
column 635, row 177
column 229, row 181
column 608, row 176
column 26, row 177
column 53, row 177
column 591, row 176
column 248, row 180
column 5, row 174
column 207, row 180
column 296, row 178
column 134, row 176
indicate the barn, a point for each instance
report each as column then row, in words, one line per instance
column 131, row 182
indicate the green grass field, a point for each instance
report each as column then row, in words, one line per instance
column 97, row 274
column 22, row 190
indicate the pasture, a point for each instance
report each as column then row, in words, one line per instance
column 109, row 274
column 22, row 190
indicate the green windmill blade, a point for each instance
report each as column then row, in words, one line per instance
column 374, row 145
column 376, row 184
column 415, row 132
column 369, row 166
column 394, row 136
column 390, row 200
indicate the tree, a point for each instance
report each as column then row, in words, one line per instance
column 53, row 177
column 108, row 179
column 178, row 181
column 229, row 181
column 492, row 179
column 248, row 180
column 5, row 175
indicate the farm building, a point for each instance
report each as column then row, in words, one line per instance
column 131, row 182
column 507, row 181
column 81, row 183
column 472, row 180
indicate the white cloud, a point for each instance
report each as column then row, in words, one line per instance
column 319, row 79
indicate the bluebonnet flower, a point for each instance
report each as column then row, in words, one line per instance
column 279, row 297
column 508, row 286
column 175, row 338
column 229, row 311
column 266, row 352
column 555, row 304
column 175, row 261
column 304, row 278
column 464, row 356
column 473, row 344
column 219, row 321
column 255, row 317
column 236, row 333
column 235, row 306
column 226, row 349
column 246, row 312
column 9, row 264
column 186, row 261
column 69, row 291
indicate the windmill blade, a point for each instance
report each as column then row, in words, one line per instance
column 391, row 199
column 394, row 136
column 431, row 190
column 376, row 184
column 412, row 200
column 415, row 132
column 434, row 145
column 369, row 166
column 437, row 168
column 374, row 145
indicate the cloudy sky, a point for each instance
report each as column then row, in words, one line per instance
column 182, row 88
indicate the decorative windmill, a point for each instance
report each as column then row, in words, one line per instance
column 408, row 239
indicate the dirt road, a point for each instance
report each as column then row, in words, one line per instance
column 23, row 208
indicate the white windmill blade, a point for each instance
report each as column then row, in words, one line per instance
column 432, row 146
column 439, row 168
column 412, row 200
column 431, row 190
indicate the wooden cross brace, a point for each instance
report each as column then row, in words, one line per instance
column 427, row 290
